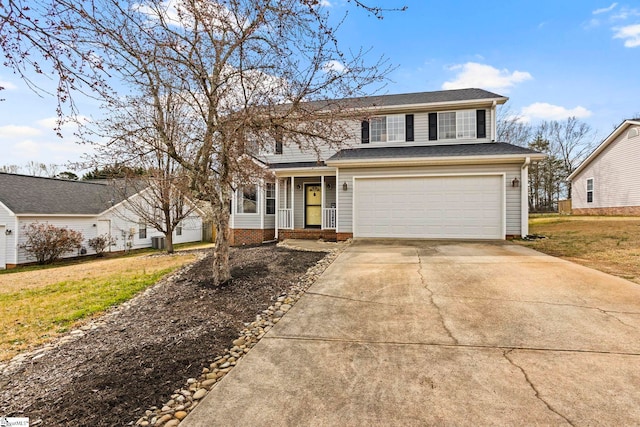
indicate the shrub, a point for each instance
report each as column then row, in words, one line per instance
column 46, row 242
column 100, row 243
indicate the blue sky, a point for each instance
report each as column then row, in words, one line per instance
column 553, row 59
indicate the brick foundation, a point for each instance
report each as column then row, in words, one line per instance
column 307, row 233
column 621, row 210
column 341, row 237
column 250, row 236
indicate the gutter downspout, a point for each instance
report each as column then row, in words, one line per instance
column 494, row 120
column 524, row 197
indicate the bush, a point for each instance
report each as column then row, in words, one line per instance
column 100, row 243
column 46, row 242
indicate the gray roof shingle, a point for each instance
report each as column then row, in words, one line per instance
column 484, row 149
column 36, row 195
column 440, row 96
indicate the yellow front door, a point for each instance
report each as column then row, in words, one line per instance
column 313, row 205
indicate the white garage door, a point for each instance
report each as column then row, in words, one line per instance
column 450, row 207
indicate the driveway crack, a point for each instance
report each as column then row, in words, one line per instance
column 433, row 302
column 533, row 387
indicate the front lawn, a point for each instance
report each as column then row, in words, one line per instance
column 609, row 244
column 37, row 305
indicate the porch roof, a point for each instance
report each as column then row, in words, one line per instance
column 296, row 165
column 495, row 149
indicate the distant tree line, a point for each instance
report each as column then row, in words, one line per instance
column 115, row 171
column 566, row 144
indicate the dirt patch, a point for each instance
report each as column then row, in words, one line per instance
column 147, row 350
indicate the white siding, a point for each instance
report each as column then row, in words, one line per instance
column 512, row 202
column 8, row 219
column 615, row 173
column 81, row 224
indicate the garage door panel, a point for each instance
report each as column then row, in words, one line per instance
column 430, row 207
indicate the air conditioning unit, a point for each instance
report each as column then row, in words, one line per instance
column 158, row 242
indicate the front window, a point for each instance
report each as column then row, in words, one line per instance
column 178, row 230
column 270, row 198
column 388, row 128
column 457, row 125
column 590, row 190
column 247, row 201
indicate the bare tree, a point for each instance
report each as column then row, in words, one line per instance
column 134, row 139
column 511, row 128
column 41, row 169
column 10, row 169
column 246, row 69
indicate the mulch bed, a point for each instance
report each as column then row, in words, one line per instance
column 146, row 351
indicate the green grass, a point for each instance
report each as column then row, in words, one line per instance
column 32, row 316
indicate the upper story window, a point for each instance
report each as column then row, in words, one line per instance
column 463, row 124
column 142, row 230
column 391, row 128
column 247, row 199
column 590, row 190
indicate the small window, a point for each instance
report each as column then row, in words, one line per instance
column 247, row 201
column 142, row 230
column 590, row 190
column 178, row 230
column 270, row 198
column 447, row 125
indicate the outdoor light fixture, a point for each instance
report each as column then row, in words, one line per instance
column 298, row 187
column 515, row 182
column 329, row 185
column 345, row 187
column 7, row 232
column 94, row 225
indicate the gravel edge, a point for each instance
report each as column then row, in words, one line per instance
column 185, row 399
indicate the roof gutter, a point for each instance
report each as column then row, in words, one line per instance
column 422, row 161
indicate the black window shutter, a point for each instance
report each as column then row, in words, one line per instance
column 408, row 127
column 433, row 126
column 365, row 131
column 278, row 141
column 481, row 123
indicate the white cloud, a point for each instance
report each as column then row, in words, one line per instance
column 630, row 34
column 325, row 3
column 334, row 66
column 14, row 131
column 7, row 85
column 485, row 76
column 545, row 111
column 52, row 122
column 605, row 9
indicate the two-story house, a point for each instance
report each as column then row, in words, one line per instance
column 421, row 165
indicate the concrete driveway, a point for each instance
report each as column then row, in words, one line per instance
column 443, row 333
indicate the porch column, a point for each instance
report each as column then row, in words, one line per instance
column 322, row 196
column 293, row 193
column 277, row 205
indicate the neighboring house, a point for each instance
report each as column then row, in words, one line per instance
column 607, row 182
column 422, row 165
column 91, row 208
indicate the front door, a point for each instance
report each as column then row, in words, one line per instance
column 313, row 205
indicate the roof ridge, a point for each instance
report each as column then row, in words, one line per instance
column 50, row 178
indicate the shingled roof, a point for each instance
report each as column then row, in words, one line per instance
column 416, row 98
column 450, row 150
column 24, row 194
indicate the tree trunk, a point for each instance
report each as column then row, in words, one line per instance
column 221, row 270
column 168, row 237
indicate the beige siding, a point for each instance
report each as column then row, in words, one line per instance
column 615, row 174
column 512, row 202
column 293, row 154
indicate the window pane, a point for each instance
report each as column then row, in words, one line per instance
column 447, row 125
column 466, row 124
column 378, row 129
column 395, row 128
column 247, row 199
column 270, row 196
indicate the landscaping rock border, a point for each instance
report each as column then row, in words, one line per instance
column 185, row 399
